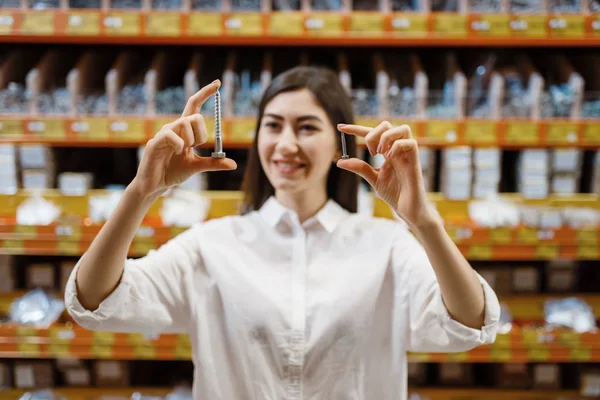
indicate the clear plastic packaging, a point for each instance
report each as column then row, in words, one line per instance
column 36, row 308
column 571, row 313
column 41, row 395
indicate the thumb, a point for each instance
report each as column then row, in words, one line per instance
column 361, row 168
column 206, row 164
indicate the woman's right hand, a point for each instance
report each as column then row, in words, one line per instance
column 169, row 158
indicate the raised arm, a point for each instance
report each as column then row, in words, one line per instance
column 168, row 160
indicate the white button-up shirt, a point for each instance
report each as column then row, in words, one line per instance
column 275, row 309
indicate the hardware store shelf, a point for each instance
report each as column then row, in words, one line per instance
column 238, row 132
column 298, row 28
column 521, row 345
column 430, row 393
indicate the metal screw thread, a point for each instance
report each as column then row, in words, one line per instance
column 218, row 131
column 344, row 150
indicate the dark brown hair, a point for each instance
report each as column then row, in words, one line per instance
column 329, row 93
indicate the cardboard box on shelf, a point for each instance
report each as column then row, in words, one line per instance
column 5, row 376
column 37, row 179
column 66, row 267
column 525, row 280
column 40, row 276
column 79, row 377
column 35, row 156
column 546, row 376
column 567, row 161
column 417, row 373
column 7, row 278
column 33, row 374
column 561, row 276
column 499, row 278
column 111, row 373
column 513, row 376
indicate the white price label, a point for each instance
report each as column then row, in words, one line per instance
column 314, row 23
column 75, row 20
column 401, row 23
column 481, row 26
column 519, row 25
column 233, row 23
column 119, row 126
column 113, row 22
column 36, row 126
column 80, row 126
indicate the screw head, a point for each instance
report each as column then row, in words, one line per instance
column 218, row 154
column 345, row 157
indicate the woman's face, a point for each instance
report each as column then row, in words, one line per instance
column 296, row 143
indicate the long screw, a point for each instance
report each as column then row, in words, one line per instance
column 218, row 153
column 344, row 151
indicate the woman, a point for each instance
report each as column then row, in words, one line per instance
column 300, row 298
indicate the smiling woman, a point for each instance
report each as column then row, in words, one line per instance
column 297, row 142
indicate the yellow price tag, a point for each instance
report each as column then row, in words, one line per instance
column 163, row 24
column 596, row 25
column 527, row 235
column 26, row 231
column 547, row 251
column 491, row 25
column 410, row 24
column 144, row 352
column 47, row 128
column 245, row 24
column 26, row 331
column 501, row 235
column 90, row 129
column 59, row 349
column 29, row 349
column 419, row 357
column 183, row 352
column 102, row 351
column 137, row 339
column 587, row 236
column 68, row 248
column 287, row 23
column 7, row 22
column 591, row 132
column 122, row 23
column 11, row 128
column 451, row 24
column 480, row 132
column 567, row 25
column 562, row 133
column 83, row 23
column 528, row 25
column 500, row 354
column 37, row 23
column 442, row 131
column 366, row 23
column 205, row 24
column 14, row 245
column 480, row 252
column 502, row 341
column 242, row 130
column 142, row 247
column 589, row 252
column 103, row 338
column 569, row 338
column 523, row 133
column 530, row 337
column 580, row 354
column 324, row 23
column 184, row 340
column 538, row 354
column 175, row 231
column 127, row 129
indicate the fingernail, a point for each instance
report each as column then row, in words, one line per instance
column 216, row 82
column 341, row 125
column 379, row 148
column 388, row 154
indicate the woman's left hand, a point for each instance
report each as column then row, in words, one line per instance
column 399, row 181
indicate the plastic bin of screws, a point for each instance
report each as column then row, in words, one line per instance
column 167, row 4
column 286, row 5
column 212, row 5
column 84, row 4
column 246, row 5
column 402, row 101
column 491, row 6
column 444, row 5
column 10, row 3
column 247, row 95
column 527, row 6
column 327, row 5
column 595, row 6
column 517, row 101
column 364, row 102
column 406, row 5
column 170, row 100
column 442, row 104
column 133, row 99
column 564, row 6
column 13, row 99
column 126, row 4
column 591, row 105
column 557, row 101
column 55, row 102
column 43, row 4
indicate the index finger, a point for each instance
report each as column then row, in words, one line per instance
column 195, row 102
column 357, row 130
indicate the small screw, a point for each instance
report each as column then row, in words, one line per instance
column 345, row 155
column 218, row 153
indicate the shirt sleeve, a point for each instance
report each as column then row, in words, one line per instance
column 430, row 328
column 151, row 297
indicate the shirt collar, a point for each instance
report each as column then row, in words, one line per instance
column 329, row 217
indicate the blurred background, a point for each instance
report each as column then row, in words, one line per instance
column 503, row 96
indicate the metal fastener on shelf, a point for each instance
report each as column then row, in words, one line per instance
column 218, row 153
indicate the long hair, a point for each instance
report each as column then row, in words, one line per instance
column 324, row 84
